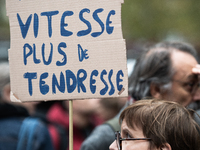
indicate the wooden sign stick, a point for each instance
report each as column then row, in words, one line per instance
column 70, row 124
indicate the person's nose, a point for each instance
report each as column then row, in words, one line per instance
column 113, row 146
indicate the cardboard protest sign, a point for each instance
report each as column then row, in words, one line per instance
column 62, row 49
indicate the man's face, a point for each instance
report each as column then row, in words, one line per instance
column 184, row 81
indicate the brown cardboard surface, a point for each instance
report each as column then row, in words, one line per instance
column 33, row 77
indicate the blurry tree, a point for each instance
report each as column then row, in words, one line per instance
column 149, row 20
column 154, row 20
column 4, row 24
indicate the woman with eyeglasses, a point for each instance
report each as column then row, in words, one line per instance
column 157, row 125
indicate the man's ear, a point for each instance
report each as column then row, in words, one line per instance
column 166, row 147
column 155, row 91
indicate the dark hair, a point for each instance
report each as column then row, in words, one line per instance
column 163, row 122
column 155, row 66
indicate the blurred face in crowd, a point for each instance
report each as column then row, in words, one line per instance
column 184, row 82
column 127, row 132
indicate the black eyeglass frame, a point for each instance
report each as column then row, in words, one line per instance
column 119, row 139
column 195, row 83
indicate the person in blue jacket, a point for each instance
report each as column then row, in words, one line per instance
column 19, row 131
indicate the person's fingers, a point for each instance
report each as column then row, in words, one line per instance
column 196, row 69
column 198, row 66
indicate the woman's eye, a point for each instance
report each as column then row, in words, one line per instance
column 128, row 135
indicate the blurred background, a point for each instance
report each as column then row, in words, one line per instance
column 4, row 32
column 146, row 22
column 143, row 22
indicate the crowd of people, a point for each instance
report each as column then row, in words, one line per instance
column 167, row 70
column 158, row 114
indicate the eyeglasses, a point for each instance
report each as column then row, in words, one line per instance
column 190, row 86
column 119, row 139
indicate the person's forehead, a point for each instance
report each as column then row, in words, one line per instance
column 123, row 124
column 183, row 63
column 125, row 127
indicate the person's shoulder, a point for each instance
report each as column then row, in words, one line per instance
column 197, row 116
column 10, row 126
column 101, row 137
column 102, row 127
column 100, row 131
column 36, row 129
column 9, row 132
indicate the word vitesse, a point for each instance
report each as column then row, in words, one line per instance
column 63, row 32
